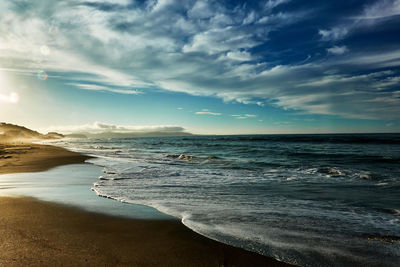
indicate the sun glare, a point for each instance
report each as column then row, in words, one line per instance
column 13, row 97
column 2, row 81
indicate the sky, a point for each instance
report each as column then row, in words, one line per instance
column 206, row 67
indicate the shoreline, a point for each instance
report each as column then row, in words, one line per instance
column 44, row 233
column 28, row 157
column 89, row 238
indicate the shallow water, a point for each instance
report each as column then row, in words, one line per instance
column 312, row 200
column 71, row 185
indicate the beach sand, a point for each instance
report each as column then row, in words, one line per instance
column 27, row 157
column 38, row 233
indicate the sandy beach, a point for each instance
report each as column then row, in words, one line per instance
column 27, row 157
column 39, row 233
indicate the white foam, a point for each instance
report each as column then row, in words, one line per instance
column 235, row 205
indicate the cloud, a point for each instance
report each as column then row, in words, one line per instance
column 373, row 60
column 95, row 87
column 206, row 112
column 98, row 127
column 381, row 9
column 219, row 40
column 239, row 117
column 239, row 55
column 118, row 2
column 200, row 10
column 204, row 48
column 372, row 14
column 245, row 116
column 333, row 34
column 270, row 4
column 337, row 50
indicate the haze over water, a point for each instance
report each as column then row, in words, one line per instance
column 312, row 200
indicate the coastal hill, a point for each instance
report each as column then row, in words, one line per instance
column 13, row 133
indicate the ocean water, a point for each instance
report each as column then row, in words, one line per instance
column 311, row 200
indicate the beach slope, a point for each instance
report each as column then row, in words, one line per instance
column 36, row 233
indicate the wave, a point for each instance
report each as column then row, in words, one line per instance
column 296, row 183
column 331, row 171
column 382, row 238
column 332, row 138
column 391, row 211
column 181, row 157
column 113, row 178
column 190, row 157
column 303, row 138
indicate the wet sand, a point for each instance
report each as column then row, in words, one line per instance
column 38, row 233
column 26, row 157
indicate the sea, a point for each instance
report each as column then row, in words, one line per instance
column 310, row 200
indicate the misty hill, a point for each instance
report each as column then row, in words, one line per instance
column 125, row 135
column 76, row 135
column 15, row 133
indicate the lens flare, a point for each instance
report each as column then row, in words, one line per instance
column 42, row 75
column 45, row 50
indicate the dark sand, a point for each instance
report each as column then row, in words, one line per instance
column 37, row 233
